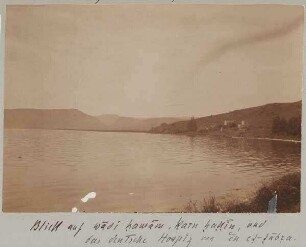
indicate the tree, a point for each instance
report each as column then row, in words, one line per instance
column 275, row 125
column 283, row 126
column 279, row 125
column 291, row 127
column 192, row 125
column 294, row 126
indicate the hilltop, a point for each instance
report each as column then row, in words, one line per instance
column 252, row 122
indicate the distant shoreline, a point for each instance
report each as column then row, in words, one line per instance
column 233, row 137
column 89, row 130
column 185, row 134
column 267, row 139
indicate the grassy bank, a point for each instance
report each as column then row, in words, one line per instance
column 288, row 188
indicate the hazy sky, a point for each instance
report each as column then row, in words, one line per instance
column 152, row 60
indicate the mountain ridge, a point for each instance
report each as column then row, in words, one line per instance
column 74, row 119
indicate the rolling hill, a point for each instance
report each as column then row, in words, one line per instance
column 257, row 119
column 118, row 123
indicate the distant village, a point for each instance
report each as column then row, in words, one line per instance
column 193, row 127
column 228, row 124
column 278, row 127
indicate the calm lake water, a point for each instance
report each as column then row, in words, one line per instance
column 51, row 170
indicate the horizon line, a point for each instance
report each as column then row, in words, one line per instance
column 111, row 114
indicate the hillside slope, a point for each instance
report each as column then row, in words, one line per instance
column 118, row 123
column 50, row 119
column 257, row 119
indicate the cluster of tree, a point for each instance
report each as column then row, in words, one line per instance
column 232, row 125
column 291, row 127
column 192, row 125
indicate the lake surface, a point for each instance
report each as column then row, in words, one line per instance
column 51, row 170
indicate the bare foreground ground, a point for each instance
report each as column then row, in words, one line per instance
column 288, row 188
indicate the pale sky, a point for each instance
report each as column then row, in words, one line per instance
column 152, row 60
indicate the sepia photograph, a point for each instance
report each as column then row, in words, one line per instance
column 153, row 108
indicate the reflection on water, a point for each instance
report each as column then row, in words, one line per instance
column 48, row 170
